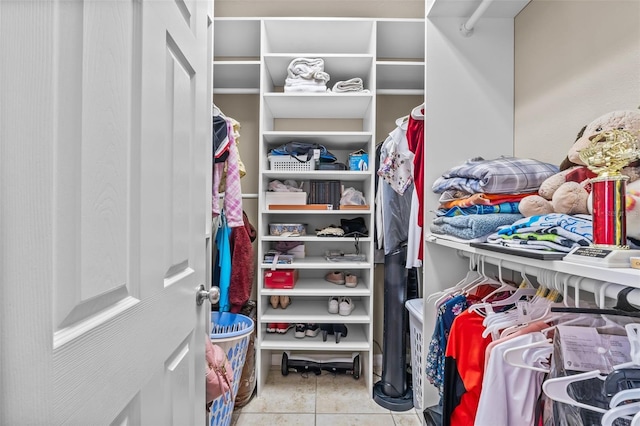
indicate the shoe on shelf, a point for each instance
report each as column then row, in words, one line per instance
column 335, row 277
column 350, row 280
column 334, row 302
column 326, row 330
column 285, row 301
column 274, row 300
column 271, row 327
column 283, row 327
column 312, row 330
column 301, row 330
column 346, row 306
column 340, row 330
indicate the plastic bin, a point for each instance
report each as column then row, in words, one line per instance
column 232, row 333
column 414, row 306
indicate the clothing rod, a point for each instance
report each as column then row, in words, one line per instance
column 467, row 28
column 243, row 195
column 559, row 280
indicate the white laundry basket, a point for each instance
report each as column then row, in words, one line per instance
column 232, row 333
column 414, row 306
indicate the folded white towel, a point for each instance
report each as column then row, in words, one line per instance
column 351, row 85
column 303, row 82
column 315, row 88
column 310, row 69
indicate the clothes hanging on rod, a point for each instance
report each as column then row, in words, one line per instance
column 397, row 200
column 498, row 379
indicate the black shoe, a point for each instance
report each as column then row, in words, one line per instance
column 340, row 330
column 312, row 330
column 326, row 329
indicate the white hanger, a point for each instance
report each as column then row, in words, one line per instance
column 622, row 411
column 556, row 389
column 471, row 276
column 417, row 113
column 636, row 420
column 515, row 356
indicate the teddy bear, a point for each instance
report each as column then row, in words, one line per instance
column 568, row 191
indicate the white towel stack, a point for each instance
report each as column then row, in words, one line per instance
column 351, row 85
column 306, row 75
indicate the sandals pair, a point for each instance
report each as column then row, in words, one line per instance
column 339, row 330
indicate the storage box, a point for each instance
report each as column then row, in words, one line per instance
column 297, row 198
column 418, row 358
column 283, row 229
column 359, row 161
column 287, row 162
column 280, row 278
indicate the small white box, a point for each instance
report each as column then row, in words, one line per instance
column 297, row 198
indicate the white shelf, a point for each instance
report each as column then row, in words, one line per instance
column 318, row 35
column 313, row 238
column 356, row 340
column 339, row 67
column 309, row 309
column 344, row 175
column 320, row 287
column 399, row 76
column 238, row 75
column 347, row 140
column 318, row 105
column 317, row 262
column 624, row 276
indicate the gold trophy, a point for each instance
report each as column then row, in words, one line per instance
column 607, row 154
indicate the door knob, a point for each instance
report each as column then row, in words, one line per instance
column 213, row 295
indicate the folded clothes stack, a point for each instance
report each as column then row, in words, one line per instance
column 306, row 75
column 351, row 85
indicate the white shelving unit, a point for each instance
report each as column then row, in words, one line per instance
column 251, row 56
column 472, row 78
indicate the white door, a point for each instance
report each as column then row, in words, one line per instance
column 104, row 167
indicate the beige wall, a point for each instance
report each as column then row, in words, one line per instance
column 574, row 61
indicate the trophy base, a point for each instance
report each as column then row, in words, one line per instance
column 603, row 257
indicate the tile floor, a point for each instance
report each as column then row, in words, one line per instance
column 325, row 400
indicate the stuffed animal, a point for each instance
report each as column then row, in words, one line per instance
column 568, row 191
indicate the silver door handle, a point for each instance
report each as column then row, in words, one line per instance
column 213, row 295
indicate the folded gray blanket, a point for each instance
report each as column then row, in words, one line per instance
column 472, row 226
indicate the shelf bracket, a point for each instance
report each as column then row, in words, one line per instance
column 467, row 28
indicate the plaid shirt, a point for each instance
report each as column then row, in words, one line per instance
column 504, row 175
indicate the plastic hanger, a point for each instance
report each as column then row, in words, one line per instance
column 417, row 113
column 625, row 411
column 636, row 420
column 515, row 356
column 556, row 389
column 472, row 276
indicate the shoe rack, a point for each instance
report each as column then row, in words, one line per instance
column 252, row 55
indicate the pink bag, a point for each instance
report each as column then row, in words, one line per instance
column 219, row 372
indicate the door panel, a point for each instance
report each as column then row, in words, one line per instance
column 115, row 190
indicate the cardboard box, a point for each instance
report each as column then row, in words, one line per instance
column 280, row 278
column 359, row 161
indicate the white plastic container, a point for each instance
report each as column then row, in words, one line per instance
column 415, row 306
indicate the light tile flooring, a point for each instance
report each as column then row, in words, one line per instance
column 325, row 400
